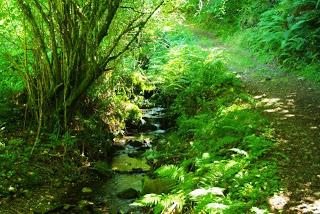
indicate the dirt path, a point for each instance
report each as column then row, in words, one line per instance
column 292, row 104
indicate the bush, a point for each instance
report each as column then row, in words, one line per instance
column 290, row 31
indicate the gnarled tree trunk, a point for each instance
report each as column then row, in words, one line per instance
column 69, row 44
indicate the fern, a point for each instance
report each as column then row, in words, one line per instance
column 290, row 31
column 165, row 204
column 217, row 155
column 171, row 172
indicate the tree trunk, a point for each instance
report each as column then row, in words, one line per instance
column 71, row 44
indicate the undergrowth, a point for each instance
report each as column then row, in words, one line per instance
column 119, row 95
column 219, row 153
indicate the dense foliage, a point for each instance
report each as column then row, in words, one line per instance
column 286, row 31
column 291, row 30
column 217, row 154
column 11, row 81
column 68, row 45
column 83, row 73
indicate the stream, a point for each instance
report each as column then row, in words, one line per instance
column 129, row 170
column 129, row 167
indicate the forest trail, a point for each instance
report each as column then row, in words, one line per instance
column 292, row 105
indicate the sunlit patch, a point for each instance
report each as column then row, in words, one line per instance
column 210, row 191
column 273, row 110
column 277, row 202
column 235, row 107
column 290, row 100
column 259, row 96
column 313, row 207
column 206, row 155
column 282, row 141
column 314, row 127
column 214, row 53
column 292, row 95
column 289, row 115
column 279, row 104
column 167, row 28
column 216, row 206
column 258, row 210
column 270, row 101
column 291, row 105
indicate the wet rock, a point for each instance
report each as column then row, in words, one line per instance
column 158, row 132
column 135, row 154
column 136, row 143
column 114, row 186
column 153, row 113
column 132, row 141
column 137, row 170
column 119, row 143
column 128, row 193
column 147, row 127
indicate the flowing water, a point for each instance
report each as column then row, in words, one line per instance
column 128, row 164
column 129, row 169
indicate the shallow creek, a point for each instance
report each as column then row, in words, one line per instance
column 129, row 167
column 129, row 170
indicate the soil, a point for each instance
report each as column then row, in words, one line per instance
column 292, row 105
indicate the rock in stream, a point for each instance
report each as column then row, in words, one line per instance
column 129, row 168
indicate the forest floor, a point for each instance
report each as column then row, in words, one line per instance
column 292, row 105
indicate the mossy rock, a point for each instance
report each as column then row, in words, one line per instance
column 129, row 193
column 157, row 186
column 123, row 163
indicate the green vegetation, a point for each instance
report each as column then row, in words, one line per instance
column 96, row 96
column 228, row 166
column 285, row 32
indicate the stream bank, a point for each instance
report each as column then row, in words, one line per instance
column 131, row 173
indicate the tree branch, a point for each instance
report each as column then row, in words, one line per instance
column 141, row 25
